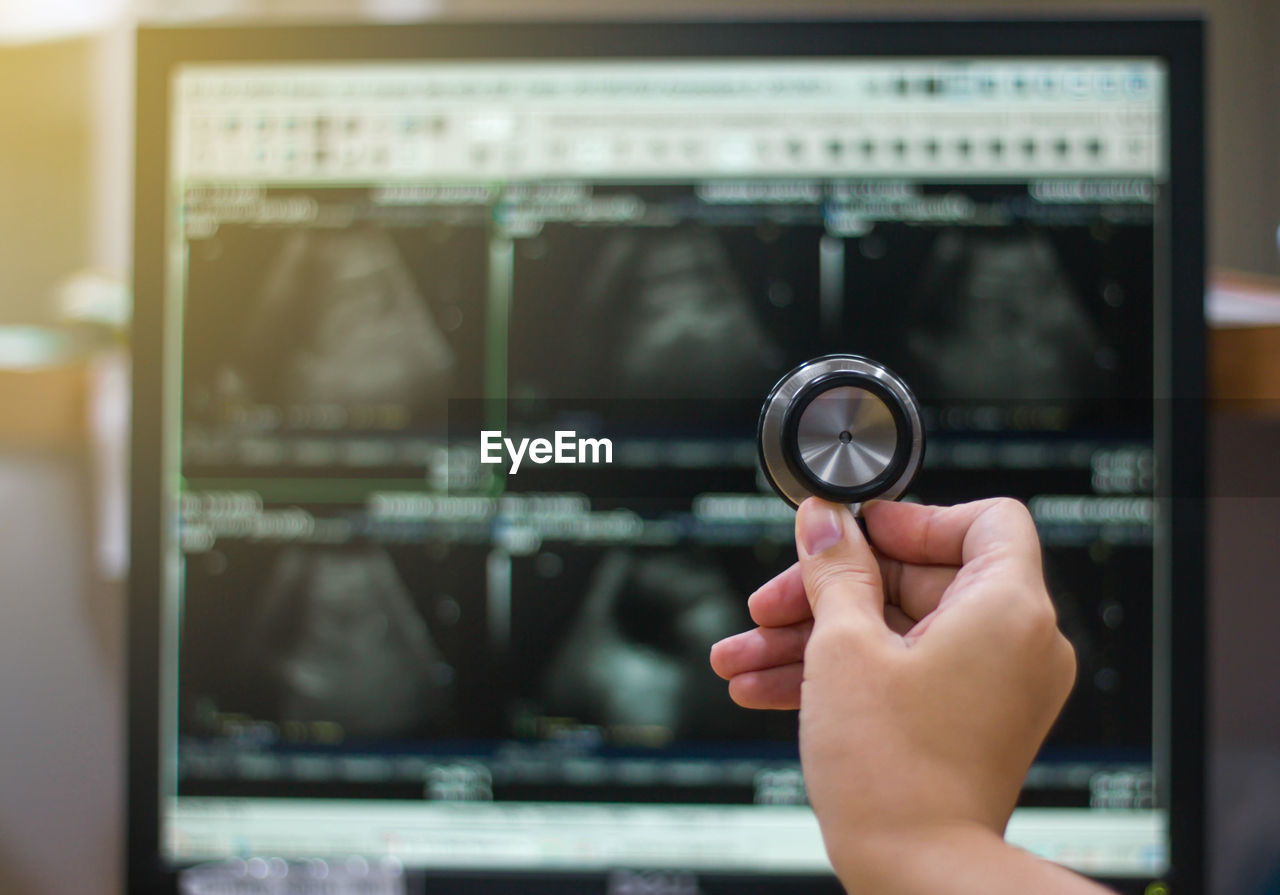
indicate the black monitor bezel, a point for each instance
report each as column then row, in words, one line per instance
column 1179, row 42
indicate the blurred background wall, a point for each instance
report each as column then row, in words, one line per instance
column 45, row 166
column 65, row 187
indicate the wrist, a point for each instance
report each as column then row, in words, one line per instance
column 874, row 860
column 961, row 858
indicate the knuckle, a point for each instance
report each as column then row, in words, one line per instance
column 839, row 574
column 1066, row 662
column 832, row 633
column 929, row 534
column 1033, row 623
column 834, row 637
column 1045, row 614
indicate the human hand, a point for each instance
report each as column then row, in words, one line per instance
column 927, row 671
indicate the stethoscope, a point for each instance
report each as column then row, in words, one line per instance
column 841, row 427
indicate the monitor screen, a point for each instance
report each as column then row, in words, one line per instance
column 387, row 622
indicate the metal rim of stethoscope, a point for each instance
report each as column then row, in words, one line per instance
column 782, row 430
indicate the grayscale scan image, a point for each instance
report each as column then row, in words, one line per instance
column 381, row 324
column 996, row 318
column 1039, row 313
column 687, row 325
column 366, row 336
column 659, row 312
column 335, row 637
column 311, row 633
column 632, row 655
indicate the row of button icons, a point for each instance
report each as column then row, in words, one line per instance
column 1092, row 85
column 321, row 125
column 795, row 151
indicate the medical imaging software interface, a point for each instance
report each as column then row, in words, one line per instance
column 376, row 643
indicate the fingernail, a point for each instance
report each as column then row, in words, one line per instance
column 820, row 528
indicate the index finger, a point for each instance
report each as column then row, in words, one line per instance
column 955, row 535
column 915, row 589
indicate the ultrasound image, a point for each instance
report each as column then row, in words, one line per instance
column 1017, row 314
column 995, row 318
column 338, row 634
column 338, row 639
column 348, row 318
column 371, row 339
column 679, row 312
column 620, row 639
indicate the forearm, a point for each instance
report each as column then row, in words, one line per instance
column 958, row 860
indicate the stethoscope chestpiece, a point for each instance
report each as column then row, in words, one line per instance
column 840, row 427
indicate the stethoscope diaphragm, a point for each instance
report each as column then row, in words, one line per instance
column 843, row 428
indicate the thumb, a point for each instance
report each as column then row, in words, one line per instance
column 841, row 575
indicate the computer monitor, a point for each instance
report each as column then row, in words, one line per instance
column 359, row 248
